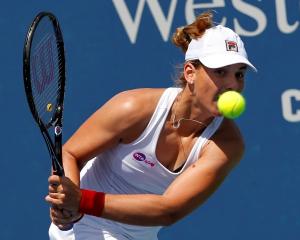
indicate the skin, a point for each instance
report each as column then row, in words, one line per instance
column 106, row 128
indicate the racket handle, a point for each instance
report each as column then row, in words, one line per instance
column 59, row 172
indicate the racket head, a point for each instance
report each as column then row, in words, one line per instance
column 44, row 80
column 44, row 69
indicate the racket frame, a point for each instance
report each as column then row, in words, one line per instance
column 54, row 148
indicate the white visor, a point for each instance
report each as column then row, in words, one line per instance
column 218, row 47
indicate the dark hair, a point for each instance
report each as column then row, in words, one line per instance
column 184, row 35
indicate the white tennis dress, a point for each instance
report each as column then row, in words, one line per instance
column 131, row 169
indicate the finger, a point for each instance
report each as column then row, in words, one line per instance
column 66, row 213
column 65, row 227
column 52, row 188
column 56, row 213
column 54, row 202
column 58, row 220
column 57, row 195
column 57, row 200
column 55, row 188
column 54, row 180
column 61, row 213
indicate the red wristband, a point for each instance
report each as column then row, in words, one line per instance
column 92, row 202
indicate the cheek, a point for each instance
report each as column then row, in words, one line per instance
column 207, row 86
column 206, row 93
column 241, row 86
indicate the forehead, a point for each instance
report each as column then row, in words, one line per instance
column 235, row 67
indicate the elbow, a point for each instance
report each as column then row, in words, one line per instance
column 172, row 210
column 70, row 158
column 169, row 221
column 171, row 217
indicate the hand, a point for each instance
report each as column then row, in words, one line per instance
column 63, row 194
column 64, row 219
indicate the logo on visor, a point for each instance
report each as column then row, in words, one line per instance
column 231, row 46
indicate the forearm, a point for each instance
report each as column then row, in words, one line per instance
column 140, row 209
column 71, row 167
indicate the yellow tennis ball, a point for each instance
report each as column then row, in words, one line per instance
column 231, row 104
column 49, row 107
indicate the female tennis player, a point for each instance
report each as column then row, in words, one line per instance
column 149, row 157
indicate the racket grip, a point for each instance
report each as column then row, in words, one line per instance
column 58, row 172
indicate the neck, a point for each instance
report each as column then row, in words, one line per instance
column 187, row 115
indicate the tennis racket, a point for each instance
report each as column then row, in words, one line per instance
column 44, row 81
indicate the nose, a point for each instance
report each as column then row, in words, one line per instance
column 234, row 85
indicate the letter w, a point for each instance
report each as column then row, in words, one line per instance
column 132, row 25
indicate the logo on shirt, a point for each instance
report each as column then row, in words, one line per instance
column 231, row 46
column 142, row 158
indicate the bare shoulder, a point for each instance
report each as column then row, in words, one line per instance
column 132, row 110
column 227, row 143
column 137, row 102
column 138, row 97
column 122, row 118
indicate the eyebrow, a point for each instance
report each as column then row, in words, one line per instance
column 243, row 67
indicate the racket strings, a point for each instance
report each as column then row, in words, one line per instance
column 46, row 64
column 49, row 96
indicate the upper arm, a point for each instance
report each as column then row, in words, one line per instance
column 105, row 128
column 202, row 178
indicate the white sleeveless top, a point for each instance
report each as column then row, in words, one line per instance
column 134, row 169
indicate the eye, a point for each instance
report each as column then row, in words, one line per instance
column 220, row 72
column 240, row 75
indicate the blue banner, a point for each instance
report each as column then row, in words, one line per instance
column 115, row 45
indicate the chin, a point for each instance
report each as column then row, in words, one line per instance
column 216, row 114
column 213, row 113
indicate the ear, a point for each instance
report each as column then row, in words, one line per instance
column 189, row 73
